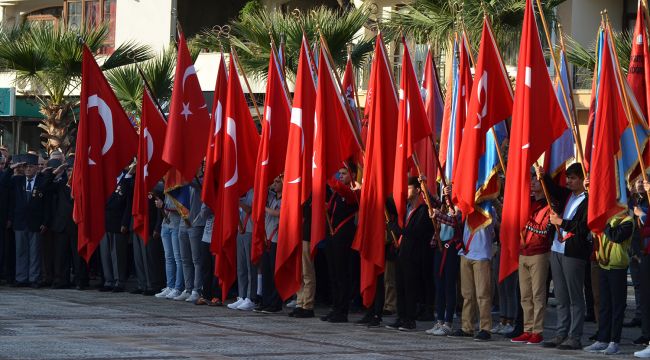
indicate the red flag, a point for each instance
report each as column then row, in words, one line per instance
column 288, row 258
column 106, row 143
column 189, row 120
column 490, row 103
column 349, row 87
column 213, row 152
column 237, row 168
column 378, row 173
column 610, row 122
column 638, row 75
column 271, row 152
column 434, row 107
column 151, row 167
column 537, row 120
column 334, row 142
column 412, row 126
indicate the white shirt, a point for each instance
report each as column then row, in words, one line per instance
column 569, row 212
column 481, row 246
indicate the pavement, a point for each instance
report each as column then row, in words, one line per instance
column 72, row 324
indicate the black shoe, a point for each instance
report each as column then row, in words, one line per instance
column 118, row 289
column 272, row 309
column 58, row 285
column 136, row 291
column 632, row 323
column 338, row 318
column 364, row 320
column 295, row 310
column 375, row 322
column 482, row 336
column 407, row 326
column 105, row 288
column 81, row 287
column 594, row 337
column 304, row 314
column 327, row 317
column 395, row 325
column 460, row 334
column 149, row 292
column 259, row 308
column 35, row 285
column 20, row 284
column 641, row 340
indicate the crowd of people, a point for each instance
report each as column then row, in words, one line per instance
column 436, row 266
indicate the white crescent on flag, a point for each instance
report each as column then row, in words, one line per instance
column 231, row 130
column 107, row 118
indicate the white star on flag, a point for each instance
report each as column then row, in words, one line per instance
column 186, row 110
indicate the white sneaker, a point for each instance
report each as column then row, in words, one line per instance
column 612, row 349
column 507, row 328
column 596, row 347
column 195, row 296
column 434, row 328
column 172, row 294
column 183, row 296
column 247, row 305
column 443, row 330
column 497, row 328
column 235, row 304
column 291, row 304
column 163, row 293
column 645, row 353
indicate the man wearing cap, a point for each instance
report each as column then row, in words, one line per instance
column 28, row 216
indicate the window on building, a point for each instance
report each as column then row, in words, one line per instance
column 50, row 16
column 90, row 13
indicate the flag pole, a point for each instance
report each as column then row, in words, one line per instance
column 233, row 52
column 284, row 77
column 547, row 197
column 626, row 100
column 574, row 124
column 556, row 66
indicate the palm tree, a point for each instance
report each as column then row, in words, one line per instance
column 47, row 60
column 436, row 20
column 250, row 35
column 584, row 58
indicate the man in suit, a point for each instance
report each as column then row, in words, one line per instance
column 114, row 245
column 28, row 216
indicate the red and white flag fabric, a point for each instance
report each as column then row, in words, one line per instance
column 189, row 120
column 434, row 107
column 490, row 103
column 106, row 144
column 150, row 167
column 288, row 258
column 379, row 166
column 412, row 127
column 237, row 172
column 349, row 87
column 638, row 74
column 537, row 120
column 215, row 141
column 334, row 142
column 271, row 152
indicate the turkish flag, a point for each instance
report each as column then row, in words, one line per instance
column 638, row 75
column 151, row 167
column 349, row 86
column 593, row 103
column 237, row 171
column 490, row 103
column 434, row 107
column 412, row 127
column 215, row 141
column 537, row 120
column 271, row 152
column 288, row 258
column 106, row 143
column 189, row 120
column 379, row 167
column 610, row 123
column 334, row 142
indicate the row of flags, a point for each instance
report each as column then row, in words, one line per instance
column 310, row 137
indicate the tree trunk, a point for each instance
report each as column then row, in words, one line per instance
column 58, row 127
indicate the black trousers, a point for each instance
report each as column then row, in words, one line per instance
column 645, row 296
column 62, row 258
column 48, row 259
column 446, row 283
column 613, row 295
column 9, row 255
column 156, row 262
column 211, row 287
column 427, row 276
column 408, row 284
column 377, row 307
column 270, row 296
column 338, row 251
column 79, row 265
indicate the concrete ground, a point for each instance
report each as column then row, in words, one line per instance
column 71, row 324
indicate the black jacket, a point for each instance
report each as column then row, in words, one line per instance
column 416, row 235
column 29, row 211
column 61, row 219
column 118, row 207
column 579, row 245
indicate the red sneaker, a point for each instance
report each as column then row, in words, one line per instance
column 523, row 338
column 535, row 339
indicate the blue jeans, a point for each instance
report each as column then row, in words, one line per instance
column 173, row 261
column 190, row 244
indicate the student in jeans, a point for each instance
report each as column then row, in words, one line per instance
column 246, row 270
column 613, row 259
column 211, row 292
column 171, row 247
column 534, row 255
